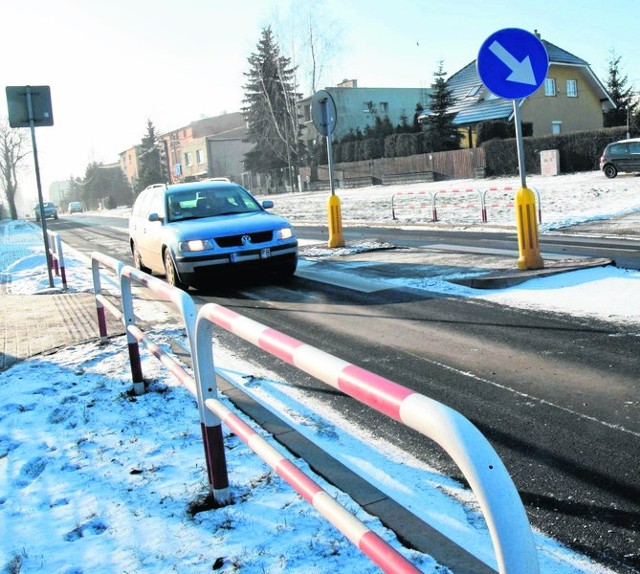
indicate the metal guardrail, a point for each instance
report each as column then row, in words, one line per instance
column 56, row 257
column 482, row 467
column 433, row 196
column 212, row 411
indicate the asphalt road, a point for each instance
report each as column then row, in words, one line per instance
column 555, row 395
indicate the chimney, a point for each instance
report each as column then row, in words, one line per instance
column 348, row 84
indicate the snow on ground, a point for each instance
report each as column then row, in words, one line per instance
column 93, row 479
column 564, row 200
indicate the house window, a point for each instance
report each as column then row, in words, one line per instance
column 187, row 159
column 384, row 107
column 474, row 91
column 572, row 89
column 550, row 87
column 556, row 128
column 199, row 157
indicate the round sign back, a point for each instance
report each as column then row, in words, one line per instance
column 323, row 112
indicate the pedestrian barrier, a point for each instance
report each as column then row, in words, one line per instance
column 482, row 467
column 511, row 192
column 452, row 196
column 411, row 194
column 214, row 411
column 56, row 257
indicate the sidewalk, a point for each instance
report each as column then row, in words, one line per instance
column 32, row 325
column 42, row 323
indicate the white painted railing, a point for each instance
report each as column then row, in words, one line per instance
column 482, row 467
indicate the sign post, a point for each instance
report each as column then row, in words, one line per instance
column 512, row 64
column 324, row 115
column 30, row 106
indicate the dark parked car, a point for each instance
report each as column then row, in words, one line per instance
column 623, row 155
column 50, row 210
column 195, row 232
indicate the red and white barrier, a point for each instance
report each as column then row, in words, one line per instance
column 433, row 197
column 512, row 191
column 56, row 257
column 488, row 478
column 482, row 467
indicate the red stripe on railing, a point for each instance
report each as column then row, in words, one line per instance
column 373, row 390
column 306, row 487
column 378, row 550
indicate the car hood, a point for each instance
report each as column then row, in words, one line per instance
column 225, row 225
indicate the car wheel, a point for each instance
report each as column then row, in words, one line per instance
column 610, row 170
column 137, row 260
column 171, row 273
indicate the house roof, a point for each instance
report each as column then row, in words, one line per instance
column 475, row 103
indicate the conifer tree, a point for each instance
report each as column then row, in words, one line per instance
column 270, row 108
column 441, row 133
column 620, row 93
column 149, row 158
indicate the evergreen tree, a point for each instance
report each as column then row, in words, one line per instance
column 417, row 127
column 441, row 133
column 103, row 186
column 270, row 108
column 150, row 161
column 620, row 93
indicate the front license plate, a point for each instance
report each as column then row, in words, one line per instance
column 265, row 253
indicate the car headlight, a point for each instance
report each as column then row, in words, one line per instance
column 285, row 233
column 196, row 245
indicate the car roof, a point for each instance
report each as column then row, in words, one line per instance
column 198, row 185
column 634, row 140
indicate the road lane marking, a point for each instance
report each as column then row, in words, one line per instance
column 318, row 272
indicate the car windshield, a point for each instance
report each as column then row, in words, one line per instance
column 195, row 204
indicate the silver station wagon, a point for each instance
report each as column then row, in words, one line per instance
column 194, row 233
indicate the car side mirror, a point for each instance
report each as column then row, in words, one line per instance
column 267, row 204
column 154, row 217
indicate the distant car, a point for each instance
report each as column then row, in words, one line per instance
column 50, row 210
column 623, row 155
column 75, row 207
column 195, row 232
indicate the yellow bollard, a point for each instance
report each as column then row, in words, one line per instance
column 527, row 226
column 335, row 222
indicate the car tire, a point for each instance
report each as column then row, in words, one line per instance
column 171, row 275
column 610, row 170
column 137, row 259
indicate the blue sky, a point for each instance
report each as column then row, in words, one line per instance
column 111, row 65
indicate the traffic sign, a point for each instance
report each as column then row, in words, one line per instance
column 28, row 104
column 512, row 63
column 323, row 112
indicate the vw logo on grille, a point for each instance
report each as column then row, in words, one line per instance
column 246, row 239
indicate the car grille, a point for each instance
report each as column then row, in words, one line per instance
column 249, row 238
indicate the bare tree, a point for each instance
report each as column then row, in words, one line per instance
column 312, row 40
column 13, row 150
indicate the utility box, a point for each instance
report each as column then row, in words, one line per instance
column 550, row 162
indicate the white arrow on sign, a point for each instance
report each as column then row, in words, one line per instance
column 521, row 72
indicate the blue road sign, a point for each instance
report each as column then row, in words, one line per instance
column 512, row 63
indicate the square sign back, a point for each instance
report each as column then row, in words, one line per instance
column 18, row 106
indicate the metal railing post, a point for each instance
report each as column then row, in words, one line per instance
column 129, row 318
column 210, row 424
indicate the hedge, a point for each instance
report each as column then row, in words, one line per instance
column 579, row 151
